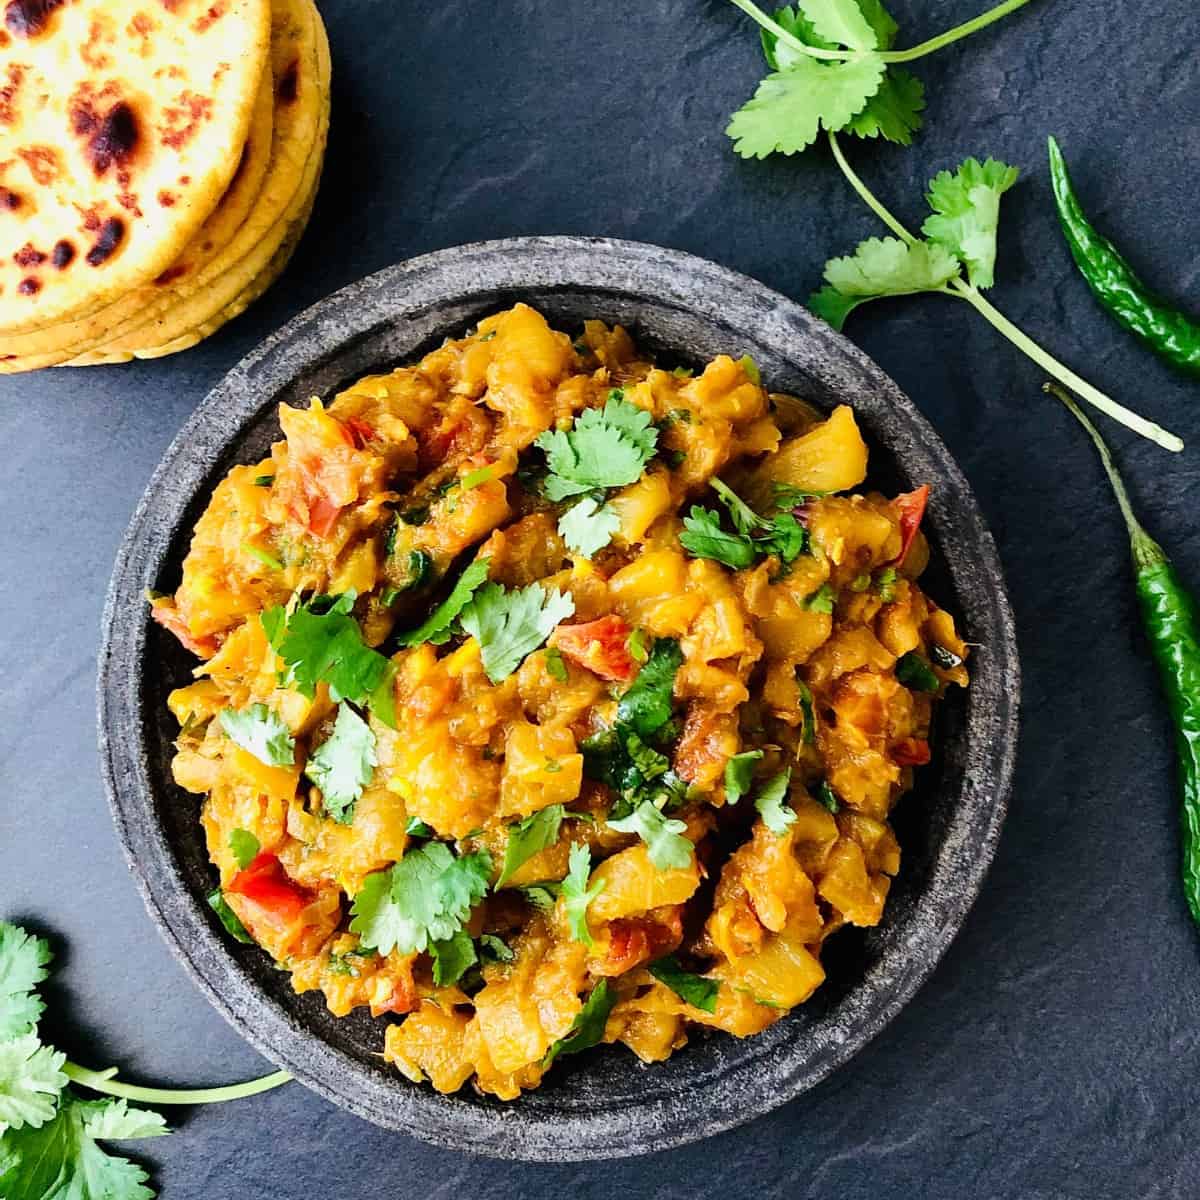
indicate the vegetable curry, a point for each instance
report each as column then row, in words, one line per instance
column 549, row 698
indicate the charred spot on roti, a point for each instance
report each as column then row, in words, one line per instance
column 112, row 137
column 29, row 256
column 42, row 162
column 211, row 17
column 9, row 199
column 289, row 83
column 112, row 234
column 171, row 274
column 166, row 199
column 8, row 93
column 29, row 286
column 28, row 18
column 183, row 118
column 63, row 254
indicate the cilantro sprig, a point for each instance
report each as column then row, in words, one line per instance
column 665, row 843
column 50, row 1137
column 833, row 67
column 342, row 765
column 426, row 897
column 588, row 1027
column 692, row 989
column 577, row 895
column 528, row 837
column 605, row 448
column 754, row 537
column 956, row 259
column 511, row 625
column 260, row 732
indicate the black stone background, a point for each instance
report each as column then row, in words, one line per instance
column 1054, row 1052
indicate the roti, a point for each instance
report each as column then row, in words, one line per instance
column 121, row 126
column 300, row 73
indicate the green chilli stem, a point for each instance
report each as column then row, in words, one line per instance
column 1146, row 551
column 959, row 32
column 1050, row 364
column 103, row 1081
column 962, row 290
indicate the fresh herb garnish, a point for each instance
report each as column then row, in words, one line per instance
column 755, row 536
column 808, row 713
column 646, row 706
column 588, row 526
column 772, row 804
column 260, row 732
column 342, row 765
column 885, row 584
column 528, row 837
column 822, row 600
column 426, row 896
column 244, row 847
column 739, row 773
column 556, row 667
column 452, row 958
column 228, row 918
column 263, row 480
column 635, row 643
column 320, row 642
column 543, row 896
column 667, row 848
column 265, row 557
column 473, row 479
column 827, row 797
column 588, row 1027
column 577, row 895
column 692, row 989
column 494, row 949
column 511, row 625
column 915, row 672
column 438, row 627
column 606, row 447
column 416, row 828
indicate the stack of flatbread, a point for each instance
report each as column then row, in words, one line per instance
column 158, row 164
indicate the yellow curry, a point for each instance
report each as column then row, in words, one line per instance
column 550, row 698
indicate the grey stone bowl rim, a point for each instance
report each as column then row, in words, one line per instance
column 751, row 1086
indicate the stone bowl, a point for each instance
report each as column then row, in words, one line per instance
column 604, row 1103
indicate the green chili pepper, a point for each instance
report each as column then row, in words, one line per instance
column 1163, row 328
column 1169, row 615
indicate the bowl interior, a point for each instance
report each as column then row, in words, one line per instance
column 686, row 311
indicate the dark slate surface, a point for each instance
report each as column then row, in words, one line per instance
column 1053, row 1053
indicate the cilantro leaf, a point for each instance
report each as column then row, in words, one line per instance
column 692, row 989
column 667, row 848
column 791, row 106
column 543, row 896
column 244, row 847
column 494, row 949
column 894, row 112
column 822, row 600
column 577, row 895
column 966, row 206
column 556, row 666
column 606, row 447
column 63, row 1161
column 646, row 706
column 260, row 732
column 452, row 958
column 23, row 962
column 342, row 765
column 739, row 773
column 915, row 673
column 588, row 1027
column 528, row 837
column 426, row 896
column 588, row 526
column 31, row 1078
column 881, row 23
column 881, row 267
column 509, row 626
column 703, row 537
column 321, row 642
column 228, row 918
column 745, row 519
column 772, row 804
column 809, row 724
column 438, row 625
column 841, row 22
column 114, row 1119
column 779, row 54
column 827, row 797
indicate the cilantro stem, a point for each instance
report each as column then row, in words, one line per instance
column 959, row 32
column 864, row 193
column 961, row 290
column 103, row 1081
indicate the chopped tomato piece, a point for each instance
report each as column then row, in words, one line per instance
column 911, row 752
column 910, row 508
column 636, row 940
column 322, row 516
column 360, row 432
column 601, row 646
column 170, row 618
column 266, row 886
